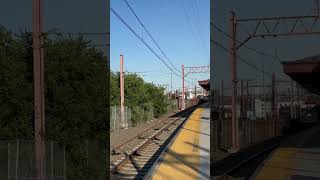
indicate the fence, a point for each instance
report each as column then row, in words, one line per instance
column 132, row 116
column 84, row 161
column 17, row 160
column 250, row 132
column 263, row 111
column 115, row 118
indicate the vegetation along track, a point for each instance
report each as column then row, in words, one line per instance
column 140, row 159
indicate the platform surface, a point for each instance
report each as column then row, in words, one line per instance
column 188, row 157
column 297, row 159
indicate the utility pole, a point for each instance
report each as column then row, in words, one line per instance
column 183, row 90
column 241, row 100
column 263, row 92
column 222, row 96
column 221, row 118
column 247, row 99
column 186, row 93
column 291, row 99
column 171, row 82
column 263, row 29
column 121, row 92
column 38, row 87
column 274, row 104
column 234, row 122
column 298, row 99
column 253, row 107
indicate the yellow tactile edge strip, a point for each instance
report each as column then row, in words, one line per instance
column 182, row 150
column 268, row 172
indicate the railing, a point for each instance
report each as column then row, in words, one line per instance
column 17, row 160
column 115, row 118
column 85, row 160
column 250, row 131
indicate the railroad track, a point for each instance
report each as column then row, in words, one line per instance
column 136, row 162
column 246, row 168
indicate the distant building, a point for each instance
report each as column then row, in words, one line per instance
column 191, row 94
column 262, row 108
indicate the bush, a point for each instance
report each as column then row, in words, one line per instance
column 76, row 92
column 145, row 99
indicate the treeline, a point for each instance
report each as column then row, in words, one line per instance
column 76, row 97
column 76, row 92
column 139, row 95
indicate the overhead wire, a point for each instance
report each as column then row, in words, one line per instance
column 194, row 28
column 144, row 27
column 129, row 27
column 197, row 20
column 246, row 46
column 79, row 33
column 52, row 32
column 274, row 57
column 241, row 58
column 152, row 38
column 188, row 19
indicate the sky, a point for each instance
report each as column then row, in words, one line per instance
column 288, row 48
column 66, row 15
column 176, row 27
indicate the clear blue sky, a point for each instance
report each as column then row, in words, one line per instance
column 174, row 25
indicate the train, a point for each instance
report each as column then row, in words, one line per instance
column 203, row 98
column 308, row 118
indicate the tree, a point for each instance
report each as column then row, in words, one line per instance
column 140, row 96
column 76, row 91
column 15, row 86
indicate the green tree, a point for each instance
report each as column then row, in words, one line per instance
column 76, row 91
column 15, row 86
column 140, row 96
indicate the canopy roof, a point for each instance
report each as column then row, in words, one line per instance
column 305, row 71
column 205, row 84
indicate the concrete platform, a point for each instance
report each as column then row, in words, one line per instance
column 298, row 158
column 188, row 157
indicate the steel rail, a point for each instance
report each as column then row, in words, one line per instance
column 138, row 150
column 242, row 163
column 138, row 135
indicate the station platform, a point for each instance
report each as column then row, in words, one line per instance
column 298, row 158
column 188, row 157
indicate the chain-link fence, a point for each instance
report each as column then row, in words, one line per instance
column 17, row 161
column 115, row 118
column 132, row 116
column 136, row 115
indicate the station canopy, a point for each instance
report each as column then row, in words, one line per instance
column 305, row 72
column 205, row 84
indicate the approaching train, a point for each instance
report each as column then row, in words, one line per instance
column 202, row 98
column 308, row 118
